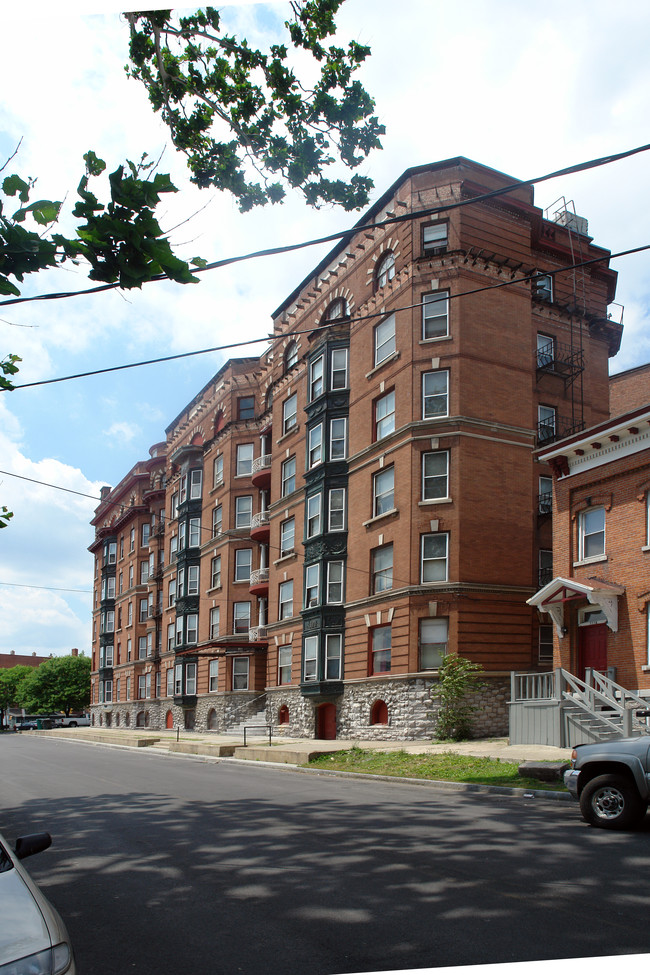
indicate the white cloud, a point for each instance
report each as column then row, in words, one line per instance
column 121, row 432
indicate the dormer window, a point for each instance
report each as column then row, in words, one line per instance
column 336, row 310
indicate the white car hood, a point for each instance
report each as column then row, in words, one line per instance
column 23, row 930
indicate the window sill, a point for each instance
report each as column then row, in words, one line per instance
column 435, row 338
column 385, row 514
column 213, row 589
column 384, row 362
column 645, row 548
column 286, row 558
column 288, row 433
column 645, row 668
column 592, row 561
column 430, row 501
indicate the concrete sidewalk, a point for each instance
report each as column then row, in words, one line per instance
column 298, row 751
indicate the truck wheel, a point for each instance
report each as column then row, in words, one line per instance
column 72, row 724
column 611, row 802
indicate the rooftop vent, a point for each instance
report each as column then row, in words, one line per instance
column 566, row 218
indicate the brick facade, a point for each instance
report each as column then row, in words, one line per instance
column 363, row 497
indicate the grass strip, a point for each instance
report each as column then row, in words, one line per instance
column 445, row 766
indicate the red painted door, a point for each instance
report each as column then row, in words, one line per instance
column 326, row 722
column 592, row 646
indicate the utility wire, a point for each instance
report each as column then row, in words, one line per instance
column 18, row 585
column 357, row 228
column 352, row 320
column 55, row 486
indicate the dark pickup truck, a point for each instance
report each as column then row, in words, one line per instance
column 611, row 781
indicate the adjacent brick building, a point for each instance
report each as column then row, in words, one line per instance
column 364, row 497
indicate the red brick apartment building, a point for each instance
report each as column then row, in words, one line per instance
column 324, row 523
column 599, row 598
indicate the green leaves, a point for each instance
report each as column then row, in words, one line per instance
column 8, row 367
column 209, row 86
column 457, row 679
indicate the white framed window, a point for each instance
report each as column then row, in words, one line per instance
column 543, row 287
column 435, row 394
column 383, row 492
column 385, row 269
column 243, row 511
column 435, row 475
column 182, row 489
column 180, row 582
column 173, row 547
column 217, row 471
column 385, row 415
column 336, row 517
column 171, row 601
column 289, row 413
column 213, row 675
column 182, row 535
column 192, row 580
column 171, row 636
column 314, row 503
column 284, row 664
column 214, row 622
column 333, row 656
column 146, row 532
column 337, row 309
column 108, row 655
column 285, row 600
column 316, row 370
column 190, row 678
column 435, row 315
column 169, row 682
column 315, row 446
column 196, row 484
column 647, row 518
column 289, row 476
column 287, row 536
column 243, row 564
column 291, row 356
column 546, row 423
column 241, row 617
column 192, row 632
column 142, row 648
column 144, row 573
column 385, row 344
column 178, row 679
column 215, row 572
column 434, row 237
column 591, row 529
column 173, row 507
column 334, row 582
column 434, row 557
column 339, row 369
column 108, row 691
column 380, row 649
column 244, row 466
column 310, row 666
column 194, row 537
column 545, row 350
column 382, row 568
column 312, row 585
column 434, row 638
column 240, row 670
column 217, row 520
column 338, row 438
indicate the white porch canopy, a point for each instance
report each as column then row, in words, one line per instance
column 552, row 597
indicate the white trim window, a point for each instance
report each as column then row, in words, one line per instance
column 434, row 637
column 289, row 413
column 385, row 342
column 315, row 446
column 385, row 269
column 434, row 557
column 316, row 372
column 310, row 665
column 192, row 580
column 338, row 438
column 546, row 423
column 241, row 617
column 543, row 287
column 339, row 369
column 383, row 492
column 217, row 471
column 171, row 636
column 333, row 656
column 194, row 535
column 192, row 628
column 380, row 649
column 382, row 568
column 385, row 415
column 336, row 516
column 284, row 664
column 169, row 682
column 312, row 585
column 243, row 511
column 435, row 475
column 196, row 484
column 591, row 534
column 647, row 518
column 217, row 520
column 313, row 519
column 215, row 572
column 243, row 564
column 335, row 583
column 215, row 614
column 244, row 461
column 285, row 600
column 213, row 676
column 435, row 394
column 289, row 476
column 240, row 672
column 190, row 679
column 545, row 350
column 435, row 315
column 287, row 536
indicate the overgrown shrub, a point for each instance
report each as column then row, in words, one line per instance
column 458, row 677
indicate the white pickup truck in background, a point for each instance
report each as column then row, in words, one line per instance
column 74, row 721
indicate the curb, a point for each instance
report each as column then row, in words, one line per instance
column 441, row 784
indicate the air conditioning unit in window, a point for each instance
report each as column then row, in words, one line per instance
column 313, row 602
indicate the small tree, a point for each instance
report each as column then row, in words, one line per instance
column 10, row 684
column 58, row 684
column 458, row 677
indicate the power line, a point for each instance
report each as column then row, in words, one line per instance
column 18, row 585
column 353, row 319
column 55, row 486
column 358, row 228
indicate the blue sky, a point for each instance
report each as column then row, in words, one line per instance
column 522, row 88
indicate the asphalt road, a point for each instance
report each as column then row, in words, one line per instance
column 167, row 865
